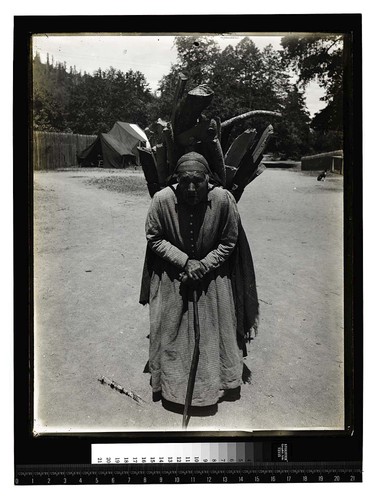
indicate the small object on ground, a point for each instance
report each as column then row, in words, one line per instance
column 322, row 176
column 114, row 385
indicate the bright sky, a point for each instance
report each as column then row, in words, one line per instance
column 152, row 55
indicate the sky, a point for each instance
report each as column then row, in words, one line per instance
column 151, row 55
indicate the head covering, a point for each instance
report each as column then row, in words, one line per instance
column 192, row 162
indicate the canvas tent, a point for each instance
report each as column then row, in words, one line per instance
column 116, row 149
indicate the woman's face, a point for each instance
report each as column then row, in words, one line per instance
column 193, row 186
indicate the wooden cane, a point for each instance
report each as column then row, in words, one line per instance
column 194, row 361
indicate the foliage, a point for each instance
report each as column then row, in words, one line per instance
column 292, row 134
column 316, row 57
column 320, row 58
column 196, row 58
column 87, row 104
column 242, row 77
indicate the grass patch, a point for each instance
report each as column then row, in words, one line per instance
column 120, row 184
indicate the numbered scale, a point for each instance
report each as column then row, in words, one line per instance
column 184, row 463
column 194, row 473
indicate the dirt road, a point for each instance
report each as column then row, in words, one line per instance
column 89, row 249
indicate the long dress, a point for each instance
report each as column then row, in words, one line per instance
column 207, row 232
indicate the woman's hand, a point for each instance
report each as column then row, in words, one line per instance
column 194, row 269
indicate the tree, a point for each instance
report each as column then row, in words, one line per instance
column 196, row 57
column 66, row 101
column 320, row 58
column 292, row 133
column 243, row 78
column 316, row 57
column 135, row 95
column 275, row 79
column 166, row 91
column 235, row 79
column 247, row 79
column 49, row 97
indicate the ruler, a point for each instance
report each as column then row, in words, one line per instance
column 187, row 473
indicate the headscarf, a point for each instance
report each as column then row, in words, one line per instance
column 192, row 162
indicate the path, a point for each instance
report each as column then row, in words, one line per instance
column 89, row 249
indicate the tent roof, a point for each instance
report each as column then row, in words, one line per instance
column 122, row 140
column 119, row 147
column 126, row 134
column 140, row 132
column 132, row 129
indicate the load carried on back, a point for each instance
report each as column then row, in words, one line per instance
column 190, row 130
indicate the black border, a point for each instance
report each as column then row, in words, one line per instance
column 305, row 446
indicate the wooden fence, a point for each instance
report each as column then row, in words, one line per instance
column 53, row 150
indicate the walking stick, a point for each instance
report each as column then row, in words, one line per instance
column 194, row 361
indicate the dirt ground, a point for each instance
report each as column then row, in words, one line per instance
column 89, row 248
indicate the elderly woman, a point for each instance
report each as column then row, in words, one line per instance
column 192, row 228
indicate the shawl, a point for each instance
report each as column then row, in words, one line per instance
column 242, row 277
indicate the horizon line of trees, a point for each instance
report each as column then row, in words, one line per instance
column 242, row 77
